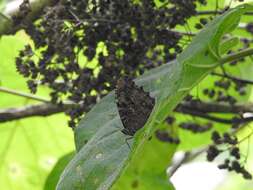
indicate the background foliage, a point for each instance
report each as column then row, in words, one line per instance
column 29, row 147
column 47, row 140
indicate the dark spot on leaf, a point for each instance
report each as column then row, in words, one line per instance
column 135, row 184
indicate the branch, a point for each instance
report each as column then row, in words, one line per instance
column 202, row 109
column 193, row 108
column 34, row 110
column 6, row 24
column 206, row 116
column 194, row 112
column 237, row 56
column 206, row 107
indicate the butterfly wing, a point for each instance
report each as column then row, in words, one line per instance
column 134, row 105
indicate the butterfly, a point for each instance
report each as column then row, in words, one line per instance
column 134, row 105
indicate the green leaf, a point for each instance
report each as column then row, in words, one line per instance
column 103, row 154
column 228, row 44
column 107, row 147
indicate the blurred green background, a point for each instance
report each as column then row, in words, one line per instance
column 29, row 148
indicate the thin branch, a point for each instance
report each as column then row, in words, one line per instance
column 216, row 12
column 187, row 157
column 237, row 55
column 25, row 95
column 183, row 33
column 207, row 107
column 178, row 163
column 209, row 12
column 193, row 112
column 208, row 117
column 233, row 78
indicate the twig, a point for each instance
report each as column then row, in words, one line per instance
column 210, row 107
column 233, row 78
column 208, row 117
column 178, row 163
column 187, row 157
column 217, row 12
column 22, row 94
column 184, row 33
column 237, row 55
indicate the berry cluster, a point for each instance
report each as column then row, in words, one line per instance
column 220, row 94
column 235, row 166
column 232, row 162
column 227, row 138
column 202, row 23
column 249, row 28
column 164, row 136
column 24, row 10
column 81, row 48
column 170, row 120
column 195, row 127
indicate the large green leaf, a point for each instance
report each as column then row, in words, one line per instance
column 29, row 147
column 243, row 70
column 103, row 155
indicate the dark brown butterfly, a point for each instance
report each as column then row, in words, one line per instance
column 134, row 105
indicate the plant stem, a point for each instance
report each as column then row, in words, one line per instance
column 216, row 12
column 25, row 95
column 237, row 56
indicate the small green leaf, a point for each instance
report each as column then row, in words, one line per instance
column 228, row 44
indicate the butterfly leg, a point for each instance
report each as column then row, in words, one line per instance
column 126, row 140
